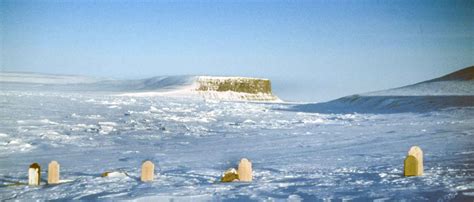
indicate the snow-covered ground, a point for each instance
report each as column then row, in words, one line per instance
column 296, row 155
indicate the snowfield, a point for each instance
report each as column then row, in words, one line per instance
column 296, row 154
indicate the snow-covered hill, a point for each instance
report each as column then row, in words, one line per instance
column 206, row 87
column 37, row 78
column 459, row 83
column 452, row 90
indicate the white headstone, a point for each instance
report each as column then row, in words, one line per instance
column 413, row 165
column 245, row 170
column 53, row 172
column 34, row 174
column 148, row 171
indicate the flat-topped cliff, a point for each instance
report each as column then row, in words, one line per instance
column 235, row 84
column 235, row 88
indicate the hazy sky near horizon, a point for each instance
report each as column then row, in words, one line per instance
column 312, row 50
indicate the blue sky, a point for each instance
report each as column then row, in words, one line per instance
column 312, row 50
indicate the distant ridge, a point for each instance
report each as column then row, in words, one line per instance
column 466, row 74
column 453, row 90
column 459, row 83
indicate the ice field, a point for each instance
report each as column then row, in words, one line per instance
column 297, row 154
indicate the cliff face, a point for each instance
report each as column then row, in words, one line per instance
column 235, row 84
column 235, row 88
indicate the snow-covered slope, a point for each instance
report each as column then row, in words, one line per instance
column 459, row 83
column 36, row 78
column 206, row 87
column 452, row 90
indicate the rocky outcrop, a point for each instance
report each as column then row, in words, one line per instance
column 235, row 88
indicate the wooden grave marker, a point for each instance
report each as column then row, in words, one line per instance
column 245, row 170
column 148, row 171
column 413, row 165
column 53, row 172
column 34, row 174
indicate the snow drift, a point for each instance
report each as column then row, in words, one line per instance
column 452, row 90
